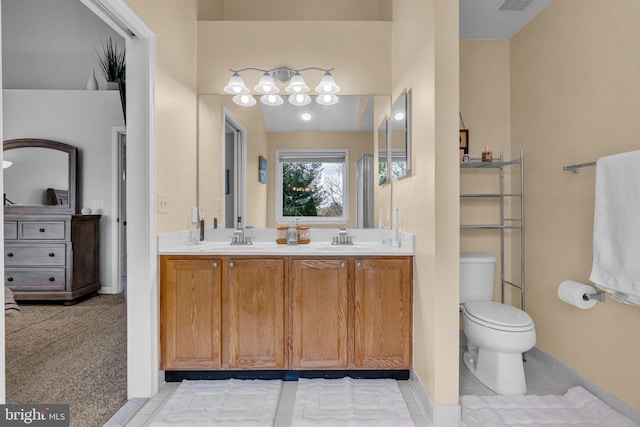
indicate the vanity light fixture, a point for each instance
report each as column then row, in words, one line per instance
column 296, row 88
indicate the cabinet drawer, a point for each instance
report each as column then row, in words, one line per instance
column 10, row 230
column 26, row 255
column 43, row 230
column 35, row 279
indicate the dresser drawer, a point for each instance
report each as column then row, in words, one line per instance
column 36, row 279
column 34, row 254
column 10, row 230
column 43, row 230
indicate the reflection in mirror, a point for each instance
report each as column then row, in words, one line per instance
column 33, row 171
column 383, row 147
column 39, row 177
column 351, row 124
column 399, row 139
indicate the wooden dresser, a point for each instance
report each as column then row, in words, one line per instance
column 52, row 257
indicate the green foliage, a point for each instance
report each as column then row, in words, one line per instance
column 300, row 189
column 112, row 62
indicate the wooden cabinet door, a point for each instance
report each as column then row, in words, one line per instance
column 256, row 313
column 382, row 326
column 319, row 337
column 190, row 313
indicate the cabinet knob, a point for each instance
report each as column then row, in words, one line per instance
column 42, row 230
column 51, row 279
column 10, row 254
column 51, row 254
column 214, row 264
column 9, row 279
column 343, row 264
column 230, row 264
column 359, row 264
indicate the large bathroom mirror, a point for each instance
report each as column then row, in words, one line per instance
column 39, row 177
column 350, row 124
column 383, row 149
column 399, row 136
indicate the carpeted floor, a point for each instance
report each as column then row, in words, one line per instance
column 69, row 354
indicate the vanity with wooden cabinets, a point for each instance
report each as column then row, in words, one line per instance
column 286, row 313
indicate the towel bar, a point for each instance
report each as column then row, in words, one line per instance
column 576, row 168
column 598, row 295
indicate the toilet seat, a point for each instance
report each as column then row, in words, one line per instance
column 498, row 316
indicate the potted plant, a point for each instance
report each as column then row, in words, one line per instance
column 112, row 63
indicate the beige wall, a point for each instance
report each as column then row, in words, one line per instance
column 485, row 109
column 425, row 60
column 326, row 10
column 576, row 97
column 357, row 143
column 174, row 24
column 359, row 51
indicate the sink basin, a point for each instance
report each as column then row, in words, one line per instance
column 343, row 248
column 228, row 247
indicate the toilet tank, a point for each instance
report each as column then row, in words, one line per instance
column 476, row 277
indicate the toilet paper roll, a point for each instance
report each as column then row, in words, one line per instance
column 573, row 293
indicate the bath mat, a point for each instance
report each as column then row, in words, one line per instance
column 348, row 402
column 232, row 403
column 577, row 407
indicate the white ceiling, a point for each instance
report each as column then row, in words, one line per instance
column 481, row 19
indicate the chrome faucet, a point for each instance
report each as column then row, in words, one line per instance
column 239, row 237
column 342, row 238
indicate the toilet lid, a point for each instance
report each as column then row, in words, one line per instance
column 501, row 315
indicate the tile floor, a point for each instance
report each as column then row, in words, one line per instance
column 540, row 380
column 285, row 407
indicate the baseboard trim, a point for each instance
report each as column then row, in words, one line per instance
column 574, row 379
column 440, row 415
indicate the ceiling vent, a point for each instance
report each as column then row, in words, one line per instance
column 514, row 5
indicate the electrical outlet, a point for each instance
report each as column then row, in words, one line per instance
column 96, row 204
column 194, row 214
column 201, row 213
column 163, row 201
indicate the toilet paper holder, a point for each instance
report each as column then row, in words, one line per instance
column 598, row 295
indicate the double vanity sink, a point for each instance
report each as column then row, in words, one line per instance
column 275, row 309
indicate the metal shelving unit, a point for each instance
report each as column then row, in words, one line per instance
column 505, row 223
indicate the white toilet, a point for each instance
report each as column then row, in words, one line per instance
column 497, row 334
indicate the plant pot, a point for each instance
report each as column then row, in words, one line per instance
column 112, row 85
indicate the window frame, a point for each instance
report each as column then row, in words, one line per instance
column 311, row 155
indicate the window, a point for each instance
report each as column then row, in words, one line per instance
column 313, row 186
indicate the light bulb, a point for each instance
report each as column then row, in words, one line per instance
column 306, row 116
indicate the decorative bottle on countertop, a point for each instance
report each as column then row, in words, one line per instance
column 292, row 234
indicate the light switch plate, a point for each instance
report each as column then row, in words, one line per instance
column 163, row 201
column 194, row 214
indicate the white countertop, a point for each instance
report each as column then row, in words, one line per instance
column 365, row 243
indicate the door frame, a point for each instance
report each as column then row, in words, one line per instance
column 116, row 236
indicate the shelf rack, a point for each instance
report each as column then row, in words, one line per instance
column 505, row 223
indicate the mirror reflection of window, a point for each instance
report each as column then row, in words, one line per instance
column 383, row 146
column 399, row 137
column 313, row 186
column 33, row 171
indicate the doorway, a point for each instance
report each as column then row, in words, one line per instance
column 234, row 165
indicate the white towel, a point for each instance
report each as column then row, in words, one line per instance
column 616, row 228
